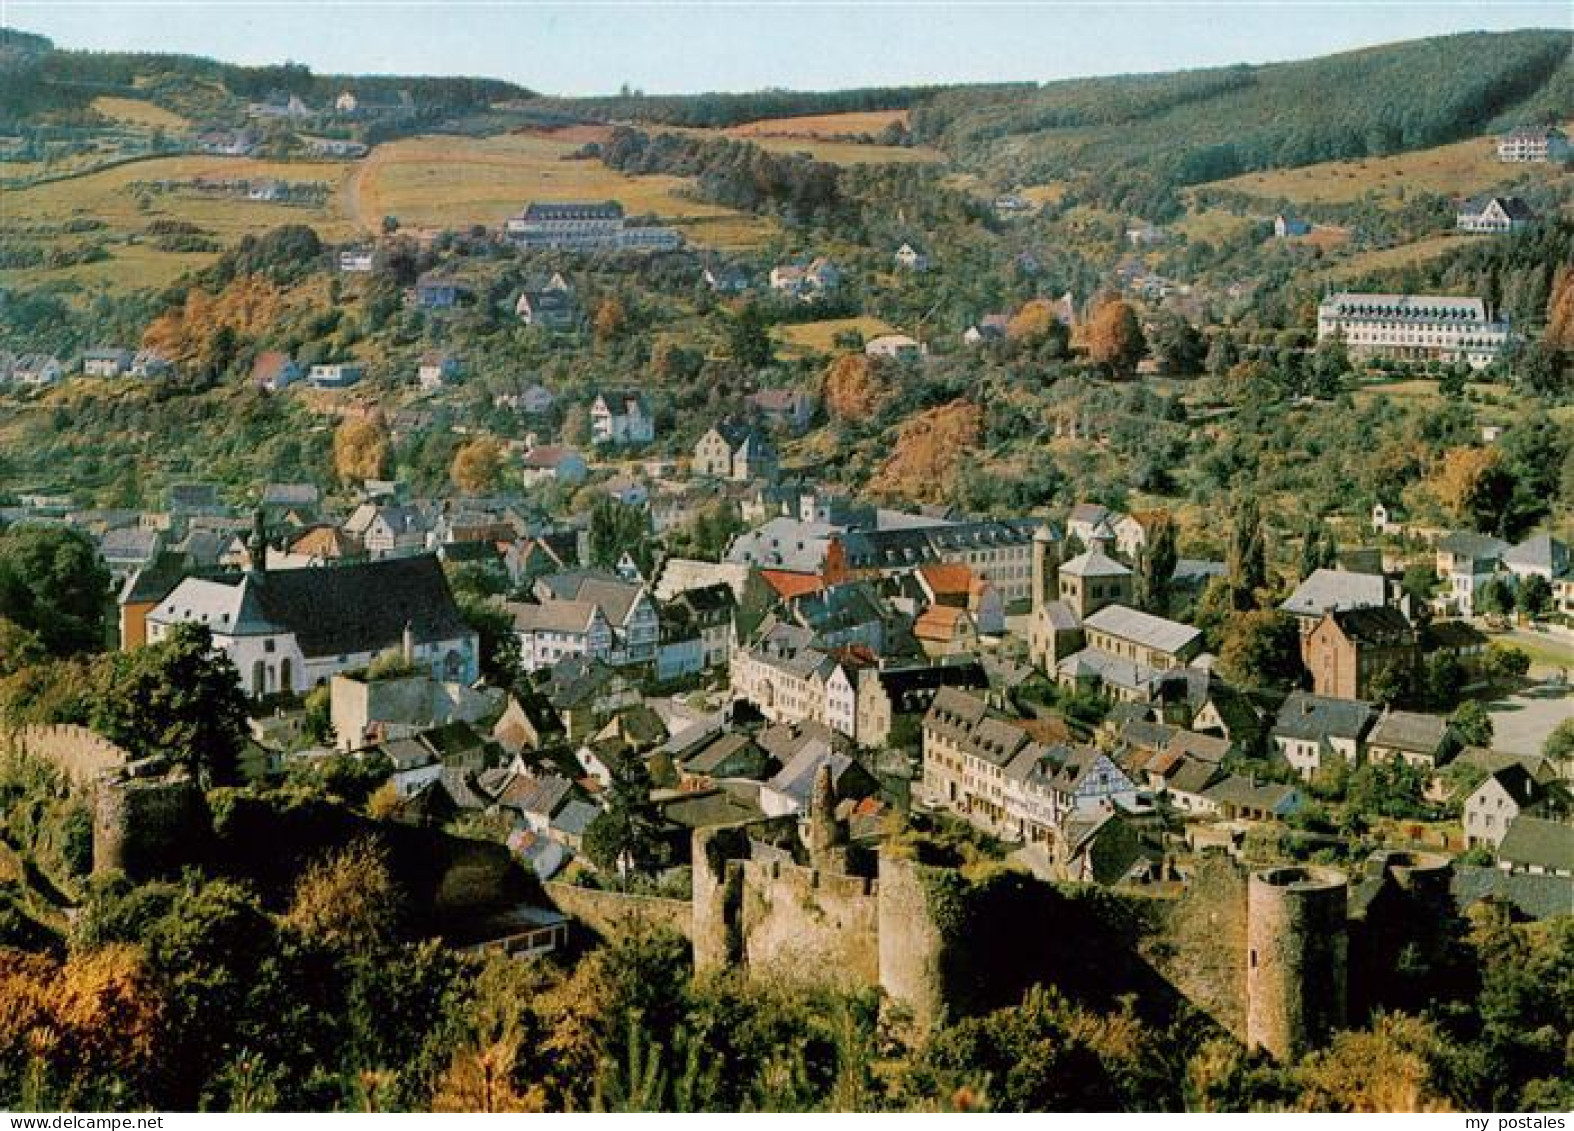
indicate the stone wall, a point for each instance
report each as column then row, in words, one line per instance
column 80, row 754
column 612, row 914
column 150, row 827
column 807, row 925
column 1200, row 946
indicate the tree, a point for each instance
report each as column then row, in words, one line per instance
column 360, row 450
column 618, row 528
column 1177, row 345
column 1474, row 485
column 1496, row 596
column 1419, row 583
column 626, row 837
column 1261, row 649
column 348, row 899
column 576, row 426
column 1534, row 597
column 611, row 319
column 499, row 643
column 1319, row 550
column 1156, row 566
column 1504, row 661
column 178, row 698
column 1473, row 724
column 1558, row 749
column 53, row 585
column 477, row 465
column 749, row 338
column 19, row 648
column 1330, row 365
column 1246, row 556
column 1114, row 337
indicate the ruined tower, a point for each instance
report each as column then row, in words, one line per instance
column 827, row 835
column 1296, row 958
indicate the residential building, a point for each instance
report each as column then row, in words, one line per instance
column 1537, row 144
column 1465, row 563
column 1310, row 729
column 791, row 409
column 550, row 630
column 1493, row 214
column 1539, row 846
column 1288, row 227
column 436, row 291
column 549, row 304
column 1503, row 795
column 627, row 608
column 583, row 226
column 435, row 370
column 357, row 260
column 553, row 462
column 1325, row 591
column 909, row 258
column 105, row 362
column 334, row 375
column 621, row 417
column 1413, row 327
column 1424, row 741
column 808, row 283
column 890, row 694
column 895, row 347
column 736, row 451
column 273, row 371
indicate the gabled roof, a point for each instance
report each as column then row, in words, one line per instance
column 1464, row 543
column 1329, row 590
column 1409, row 731
column 1310, row 717
column 1379, row 625
column 1094, row 563
column 1538, row 842
column 1158, row 633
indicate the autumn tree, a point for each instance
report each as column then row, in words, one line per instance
column 360, row 450
column 1474, row 485
column 855, row 387
column 611, row 319
column 348, row 899
column 1560, row 312
column 477, row 465
column 1114, row 337
column 1261, row 649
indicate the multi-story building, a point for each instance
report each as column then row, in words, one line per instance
column 736, row 451
column 585, row 226
column 1493, row 214
column 1312, row 728
column 1352, row 650
column 1533, row 144
column 1413, row 327
column 1465, row 563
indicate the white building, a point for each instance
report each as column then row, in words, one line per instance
column 1413, row 327
column 1533, row 144
column 621, row 418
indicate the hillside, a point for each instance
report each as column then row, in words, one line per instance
column 1127, row 142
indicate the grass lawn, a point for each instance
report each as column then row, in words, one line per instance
column 139, row 112
column 1405, row 254
column 437, row 182
column 1460, row 169
column 850, row 124
column 818, row 337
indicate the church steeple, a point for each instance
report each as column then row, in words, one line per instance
column 257, row 546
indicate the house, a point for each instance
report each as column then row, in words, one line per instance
column 896, row 347
column 1413, row 327
column 1288, row 227
column 291, row 502
column 1539, row 144
column 736, row 451
column 791, row 409
column 1426, row 741
column 128, row 549
column 527, row 723
column 357, row 260
column 1352, row 652
column 435, row 370
column 549, row 304
column 942, row 630
column 435, row 291
column 802, row 752
column 537, row 400
column 909, row 258
column 727, row 755
column 1309, row 729
column 334, row 375
column 1539, row 846
column 808, row 283
column 147, row 364
column 1541, row 555
column 548, row 631
column 626, row 607
column 621, row 417
column 1010, row 204
column 708, row 611
column 383, row 529
column 105, row 362
column 553, row 462
column 569, row 226
column 726, row 278
column 365, row 710
column 1493, row 214
column 273, row 370
column 958, row 586
column 1465, row 563
column 36, row 370
column 989, row 328
column 289, row 630
column 1506, row 793
column 1145, row 235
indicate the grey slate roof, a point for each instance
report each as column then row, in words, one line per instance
column 1329, row 590
column 1313, row 717
column 1143, row 628
column 1538, row 842
column 1409, row 730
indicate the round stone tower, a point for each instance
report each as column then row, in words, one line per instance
column 1296, row 958
column 913, row 942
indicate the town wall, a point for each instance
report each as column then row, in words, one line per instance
column 80, row 754
column 614, row 914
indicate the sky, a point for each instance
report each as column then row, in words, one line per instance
column 687, row 46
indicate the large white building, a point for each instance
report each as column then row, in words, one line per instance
column 586, row 226
column 1413, row 327
column 1533, row 144
column 289, row 630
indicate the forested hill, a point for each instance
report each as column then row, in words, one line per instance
column 1127, row 142
column 39, row 81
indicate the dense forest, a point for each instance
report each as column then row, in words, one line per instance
column 1128, row 142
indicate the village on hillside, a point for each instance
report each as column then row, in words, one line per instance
column 897, row 593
